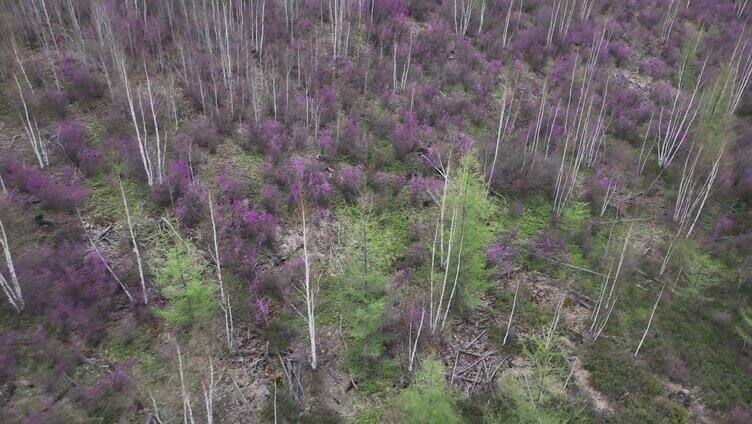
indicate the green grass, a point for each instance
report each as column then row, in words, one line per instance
column 104, row 205
column 536, row 217
column 711, row 350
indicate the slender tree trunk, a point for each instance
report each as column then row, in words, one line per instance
column 101, row 257
column 12, row 288
column 511, row 314
column 417, row 337
column 309, row 295
column 187, row 409
column 224, row 299
column 650, row 321
column 136, row 252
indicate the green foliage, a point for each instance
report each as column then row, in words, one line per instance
column 700, row 271
column 573, row 217
column 535, row 218
column 548, row 364
column 637, row 391
column 249, row 163
column 744, row 328
column 710, row 349
column 125, row 340
column 370, row 416
column 426, row 400
column 354, row 295
column 689, row 57
column 615, row 373
column 180, row 279
column 715, row 120
column 514, row 406
column 477, row 223
column 657, row 410
column 538, row 393
column 371, row 240
column 105, row 203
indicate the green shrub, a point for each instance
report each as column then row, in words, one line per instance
column 179, row 278
column 536, row 217
column 477, row 223
column 353, row 293
column 427, row 400
column 700, row 271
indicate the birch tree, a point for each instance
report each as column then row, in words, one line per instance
column 650, row 320
column 12, row 288
column 413, row 345
column 38, row 144
column 511, row 314
column 308, row 292
column 134, row 244
column 101, row 258
column 152, row 154
column 703, row 160
column 507, row 120
column 224, row 298
column 609, row 292
column 463, row 13
column 467, row 229
column 184, row 395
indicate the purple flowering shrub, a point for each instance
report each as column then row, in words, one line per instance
column 244, row 231
column 326, row 144
column 406, row 135
column 501, row 256
column 81, row 83
column 231, row 182
column 271, row 197
column 654, row 67
column 68, row 286
column 129, row 154
column 109, row 396
column 740, row 414
column 423, row 190
column 602, row 183
column 722, row 227
column 268, row 137
column 530, row 44
column 387, row 183
column 546, row 245
column 304, row 178
column 204, row 133
column 189, row 202
column 51, row 102
column 70, row 135
column 352, row 139
column 190, row 206
column 60, row 193
column 620, row 51
column 350, row 180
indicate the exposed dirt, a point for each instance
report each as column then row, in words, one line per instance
column 472, row 359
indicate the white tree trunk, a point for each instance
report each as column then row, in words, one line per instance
column 11, row 288
column 224, row 300
column 511, row 314
column 417, row 337
column 136, row 252
column 650, row 321
column 310, row 300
